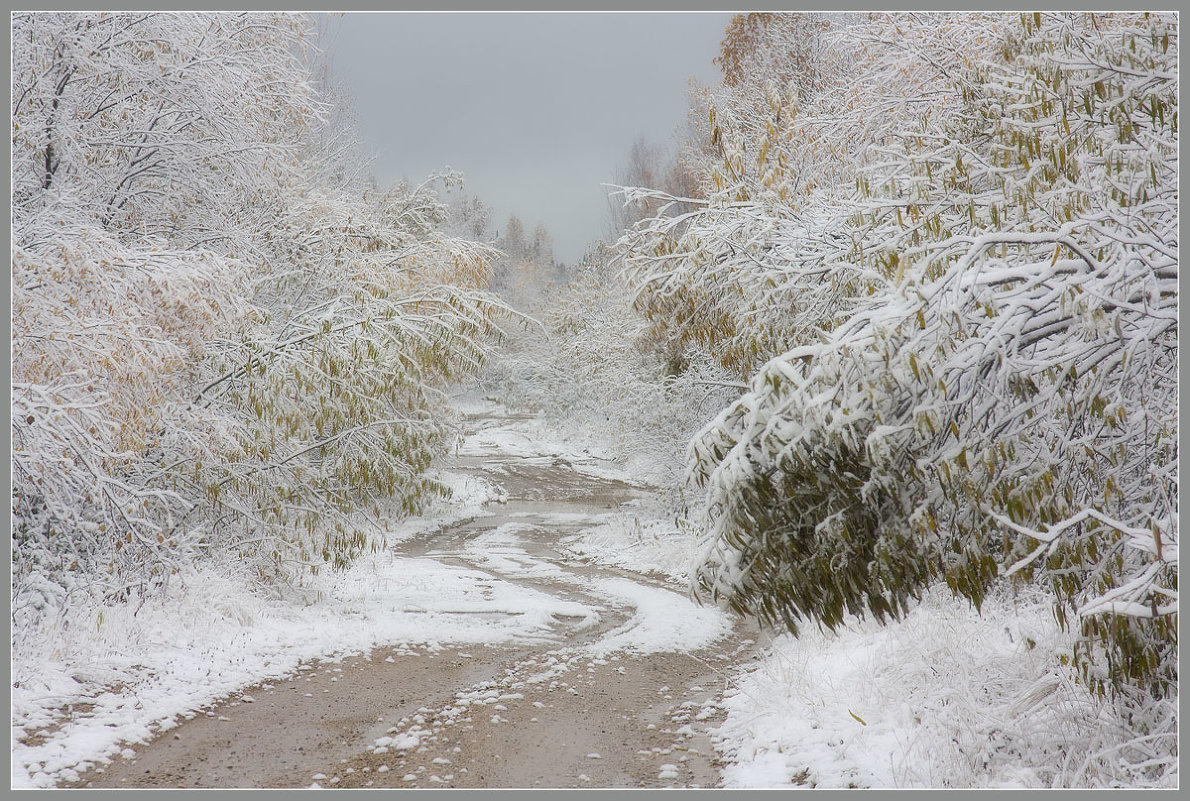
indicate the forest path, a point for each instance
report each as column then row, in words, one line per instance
column 617, row 689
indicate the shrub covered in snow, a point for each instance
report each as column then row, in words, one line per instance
column 949, row 265
column 223, row 343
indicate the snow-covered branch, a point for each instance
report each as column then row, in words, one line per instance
column 959, row 320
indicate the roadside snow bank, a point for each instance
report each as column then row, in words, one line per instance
column 944, row 698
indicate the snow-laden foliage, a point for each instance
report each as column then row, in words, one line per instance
column 107, row 338
column 159, row 124
column 767, row 260
column 341, row 385
column 954, row 264
column 224, row 343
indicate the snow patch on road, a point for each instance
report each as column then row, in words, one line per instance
column 663, row 620
column 641, row 538
column 469, row 494
column 531, row 439
column 501, row 551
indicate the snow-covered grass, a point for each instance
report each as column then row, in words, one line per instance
column 946, row 697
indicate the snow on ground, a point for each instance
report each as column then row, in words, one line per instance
column 639, row 538
column 662, row 620
column 642, row 536
column 468, row 494
column 501, row 550
column 944, row 698
column 134, row 668
column 141, row 671
column 533, row 438
column 126, row 672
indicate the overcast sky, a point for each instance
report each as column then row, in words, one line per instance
column 535, row 109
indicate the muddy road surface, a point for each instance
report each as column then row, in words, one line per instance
column 619, row 693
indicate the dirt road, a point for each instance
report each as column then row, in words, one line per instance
column 609, row 697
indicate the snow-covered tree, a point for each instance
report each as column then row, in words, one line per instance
column 592, row 367
column 645, row 167
column 526, row 268
column 950, row 269
column 136, row 121
column 133, row 136
column 470, row 217
column 513, row 242
column 542, row 249
column 343, row 381
column 223, row 341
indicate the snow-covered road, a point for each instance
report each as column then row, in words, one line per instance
column 534, row 632
column 499, row 657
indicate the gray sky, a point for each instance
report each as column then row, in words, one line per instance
column 536, row 110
